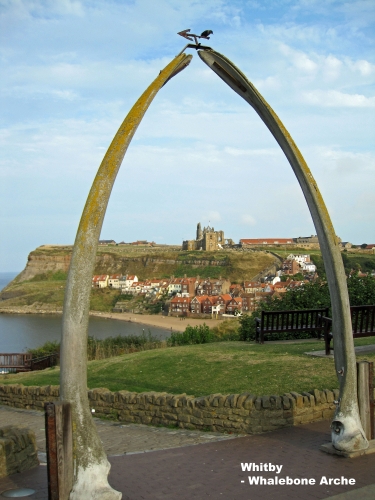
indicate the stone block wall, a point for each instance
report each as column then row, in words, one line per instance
column 239, row 413
column 18, row 451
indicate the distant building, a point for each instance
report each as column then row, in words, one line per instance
column 100, row 281
column 180, row 306
column 266, row 241
column 213, row 286
column 345, row 244
column 206, row 239
column 290, row 266
column 114, row 280
column 107, row 242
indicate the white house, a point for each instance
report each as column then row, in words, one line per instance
column 114, row 281
column 301, row 259
column 126, row 284
column 309, row 267
column 174, row 286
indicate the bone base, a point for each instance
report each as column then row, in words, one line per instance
column 92, row 484
column 329, row 448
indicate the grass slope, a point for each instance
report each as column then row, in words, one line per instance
column 228, row 367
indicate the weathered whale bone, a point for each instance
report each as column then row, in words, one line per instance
column 91, row 466
column 347, row 431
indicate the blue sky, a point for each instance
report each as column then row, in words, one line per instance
column 71, row 70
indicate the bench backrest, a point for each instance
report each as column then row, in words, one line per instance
column 298, row 320
column 363, row 319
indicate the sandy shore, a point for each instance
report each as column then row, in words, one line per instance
column 167, row 322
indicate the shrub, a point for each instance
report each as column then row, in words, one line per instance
column 115, row 346
column 45, row 350
column 106, row 348
column 192, row 335
column 226, row 330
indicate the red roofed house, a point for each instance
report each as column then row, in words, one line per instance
column 100, row 281
column 234, row 305
column 281, row 286
column 180, row 306
column 196, row 304
column 207, row 304
column 223, row 300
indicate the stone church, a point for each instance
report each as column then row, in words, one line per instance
column 207, row 239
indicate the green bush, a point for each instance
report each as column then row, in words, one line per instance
column 45, row 350
column 226, row 330
column 192, row 335
column 202, row 334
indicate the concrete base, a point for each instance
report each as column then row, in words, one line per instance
column 363, row 349
column 328, row 448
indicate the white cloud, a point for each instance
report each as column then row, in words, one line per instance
column 334, row 98
column 365, row 68
column 348, row 162
column 299, row 59
column 249, row 220
column 251, row 152
column 211, row 216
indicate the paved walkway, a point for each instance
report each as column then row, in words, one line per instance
column 213, row 469
column 117, row 438
column 363, row 349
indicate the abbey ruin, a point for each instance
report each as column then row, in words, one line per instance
column 207, row 239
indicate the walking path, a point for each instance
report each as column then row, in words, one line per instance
column 117, row 438
column 212, row 468
column 363, row 349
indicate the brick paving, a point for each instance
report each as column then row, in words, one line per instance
column 117, row 438
column 213, row 470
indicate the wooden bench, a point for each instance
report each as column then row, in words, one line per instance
column 363, row 324
column 303, row 320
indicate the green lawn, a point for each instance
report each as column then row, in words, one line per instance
column 224, row 367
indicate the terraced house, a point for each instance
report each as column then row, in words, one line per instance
column 180, row 306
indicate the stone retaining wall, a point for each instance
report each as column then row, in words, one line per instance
column 18, row 450
column 244, row 413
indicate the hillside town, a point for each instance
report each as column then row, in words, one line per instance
column 210, row 296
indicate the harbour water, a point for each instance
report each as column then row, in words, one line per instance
column 19, row 332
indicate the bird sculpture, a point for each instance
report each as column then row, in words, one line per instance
column 190, row 36
column 206, row 33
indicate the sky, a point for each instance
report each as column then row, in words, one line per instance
column 71, row 70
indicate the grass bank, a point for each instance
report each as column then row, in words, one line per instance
column 198, row 370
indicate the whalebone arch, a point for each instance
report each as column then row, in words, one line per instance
column 91, row 466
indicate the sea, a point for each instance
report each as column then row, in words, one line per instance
column 20, row 332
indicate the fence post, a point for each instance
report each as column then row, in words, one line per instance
column 365, row 378
column 59, row 447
